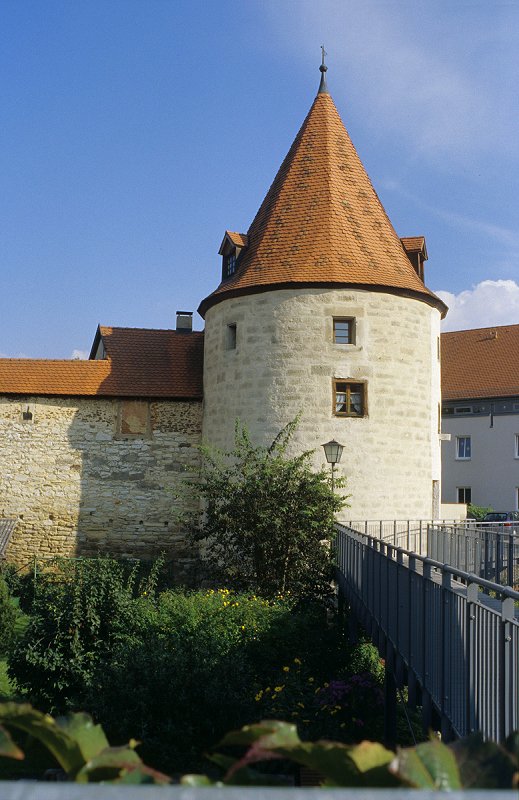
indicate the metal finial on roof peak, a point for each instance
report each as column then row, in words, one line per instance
column 323, row 88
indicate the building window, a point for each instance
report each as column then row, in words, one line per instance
column 463, row 410
column 344, row 330
column 230, row 341
column 134, row 418
column 349, row 399
column 463, row 448
column 229, row 265
column 464, row 494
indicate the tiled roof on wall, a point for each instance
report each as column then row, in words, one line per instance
column 140, row 363
column 322, row 223
column 483, row 362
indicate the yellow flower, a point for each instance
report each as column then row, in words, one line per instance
column 286, row 669
column 274, row 695
column 311, row 680
column 326, row 685
column 267, row 689
column 278, row 688
column 259, row 696
column 243, row 627
column 297, row 660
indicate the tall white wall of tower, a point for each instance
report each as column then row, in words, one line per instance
column 284, row 362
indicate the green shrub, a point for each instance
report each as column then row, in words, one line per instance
column 478, row 512
column 7, row 619
column 268, row 519
column 192, row 666
column 176, row 670
column 81, row 608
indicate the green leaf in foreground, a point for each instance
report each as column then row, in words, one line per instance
column 337, row 763
column 430, row 765
column 485, row 765
column 8, row 748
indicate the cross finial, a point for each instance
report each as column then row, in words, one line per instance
column 323, row 89
column 324, row 54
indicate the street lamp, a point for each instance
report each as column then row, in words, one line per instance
column 333, row 452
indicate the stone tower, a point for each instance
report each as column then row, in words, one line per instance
column 322, row 310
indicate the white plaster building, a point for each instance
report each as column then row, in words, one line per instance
column 480, row 411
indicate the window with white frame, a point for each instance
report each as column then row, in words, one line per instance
column 464, row 494
column 463, row 448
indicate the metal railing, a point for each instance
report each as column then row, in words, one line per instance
column 452, row 636
column 489, row 550
column 408, row 533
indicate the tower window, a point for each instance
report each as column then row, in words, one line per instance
column 229, row 265
column 349, row 399
column 344, row 330
column 231, row 336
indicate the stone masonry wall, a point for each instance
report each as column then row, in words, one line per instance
column 78, row 487
column 284, row 364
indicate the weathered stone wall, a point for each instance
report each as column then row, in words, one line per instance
column 284, row 363
column 77, row 486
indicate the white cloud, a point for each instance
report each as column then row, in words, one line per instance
column 484, row 305
column 414, row 68
column 81, row 355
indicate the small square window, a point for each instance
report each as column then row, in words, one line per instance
column 344, row 330
column 349, row 399
column 463, row 448
column 464, row 494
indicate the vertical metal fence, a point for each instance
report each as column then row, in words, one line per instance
column 454, row 636
column 488, row 550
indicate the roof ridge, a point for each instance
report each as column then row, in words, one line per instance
column 149, row 330
column 486, row 328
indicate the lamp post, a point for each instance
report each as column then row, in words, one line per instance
column 333, row 452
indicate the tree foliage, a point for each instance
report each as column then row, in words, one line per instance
column 268, row 519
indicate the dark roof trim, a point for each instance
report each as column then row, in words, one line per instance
column 429, row 299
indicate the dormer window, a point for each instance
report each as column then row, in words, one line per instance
column 231, row 247
column 229, row 265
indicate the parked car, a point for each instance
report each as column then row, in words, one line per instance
column 501, row 520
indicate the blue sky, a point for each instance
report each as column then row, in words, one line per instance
column 134, row 132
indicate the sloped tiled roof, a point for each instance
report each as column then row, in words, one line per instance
column 483, row 362
column 140, row 363
column 413, row 244
column 239, row 239
column 322, row 223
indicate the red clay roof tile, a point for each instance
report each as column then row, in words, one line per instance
column 322, row 223
column 140, row 363
column 478, row 363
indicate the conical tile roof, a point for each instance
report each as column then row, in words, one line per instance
column 322, row 223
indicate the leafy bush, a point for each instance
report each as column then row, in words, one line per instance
column 81, row 609
column 196, row 669
column 268, row 519
column 7, row 619
column 176, row 669
column 478, row 512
